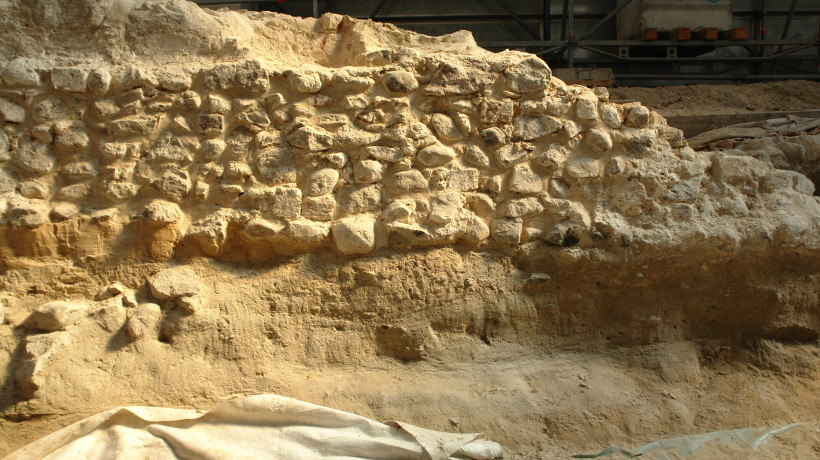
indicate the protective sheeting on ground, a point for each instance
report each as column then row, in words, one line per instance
column 685, row 446
column 252, row 427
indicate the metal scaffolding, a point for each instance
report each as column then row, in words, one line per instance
column 725, row 58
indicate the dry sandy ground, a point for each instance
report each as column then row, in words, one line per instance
column 794, row 95
column 541, row 395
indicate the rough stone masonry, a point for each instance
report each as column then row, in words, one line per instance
column 357, row 136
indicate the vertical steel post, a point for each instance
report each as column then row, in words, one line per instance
column 571, row 38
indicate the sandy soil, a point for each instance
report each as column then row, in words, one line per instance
column 794, row 95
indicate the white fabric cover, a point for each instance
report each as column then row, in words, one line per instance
column 252, row 427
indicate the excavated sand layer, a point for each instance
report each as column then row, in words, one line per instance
column 198, row 204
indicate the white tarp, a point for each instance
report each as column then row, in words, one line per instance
column 252, row 427
column 687, row 446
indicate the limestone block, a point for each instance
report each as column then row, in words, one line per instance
column 641, row 143
column 24, row 213
column 736, row 169
column 435, row 155
column 71, row 79
column 119, row 191
column 551, row 159
column 175, row 282
column 81, row 169
column 520, row 207
column 310, row 138
column 276, row 166
column 510, row 154
column 308, row 232
column 400, row 81
column 368, row 171
column 357, row 199
column 780, row 179
column 558, row 107
column 162, row 212
column 445, row 128
column 473, row 155
column 453, row 80
column 304, row 82
column 493, row 137
column 237, row 171
column 529, row 127
column 211, row 124
column 493, row 113
column 99, row 81
column 11, row 112
column 190, row 303
column 637, row 117
column 351, row 81
column 211, row 231
column 319, row 208
column 350, row 137
column 321, row 181
column 444, row 206
column 246, row 75
column 75, row 193
column 524, row 180
column 406, row 182
column 50, row 109
column 582, row 170
column 143, row 320
column 388, row 154
column 355, row 235
column 475, row 230
column 37, row 352
column 71, row 140
column 34, row 157
column 586, row 108
column 33, row 189
column 463, row 180
column 174, row 183
column 687, row 190
column 507, row 231
column 133, row 125
column 531, row 74
column 610, row 116
column 599, row 139
column 57, row 315
column 287, row 202
column 20, row 71
column 398, row 211
column 572, row 128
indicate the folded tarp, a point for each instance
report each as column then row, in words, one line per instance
column 252, row 427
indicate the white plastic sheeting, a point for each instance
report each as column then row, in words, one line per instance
column 687, row 446
column 252, row 427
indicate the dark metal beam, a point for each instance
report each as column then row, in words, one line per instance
column 377, row 9
column 606, row 18
column 650, row 43
column 503, row 4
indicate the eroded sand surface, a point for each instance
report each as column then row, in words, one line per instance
column 203, row 204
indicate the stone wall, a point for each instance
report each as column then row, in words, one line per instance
column 407, row 148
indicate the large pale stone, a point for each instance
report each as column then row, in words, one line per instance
column 529, row 128
column 57, row 315
column 531, row 74
column 174, row 282
column 355, row 235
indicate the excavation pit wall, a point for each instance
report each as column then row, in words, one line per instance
column 363, row 197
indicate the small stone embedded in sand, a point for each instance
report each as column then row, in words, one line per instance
column 174, row 282
column 57, row 315
column 143, row 319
